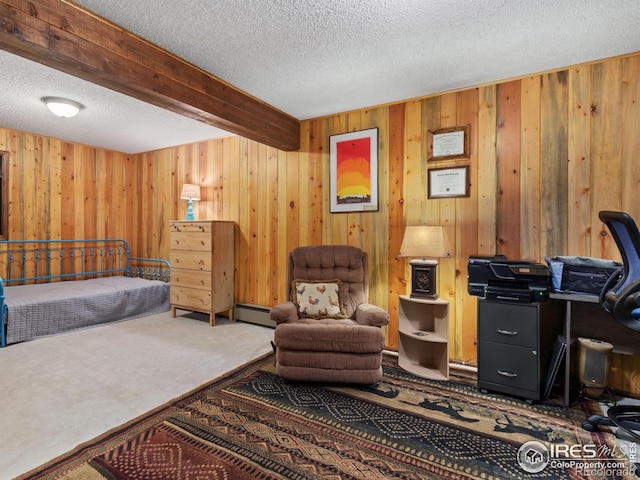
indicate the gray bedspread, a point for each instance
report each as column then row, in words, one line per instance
column 51, row 308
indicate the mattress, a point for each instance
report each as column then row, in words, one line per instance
column 51, row 308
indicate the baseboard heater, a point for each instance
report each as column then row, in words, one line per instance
column 257, row 314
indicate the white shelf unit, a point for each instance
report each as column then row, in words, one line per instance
column 423, row 340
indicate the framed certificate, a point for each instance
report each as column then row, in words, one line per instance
column 448, row 143
column 449, row 182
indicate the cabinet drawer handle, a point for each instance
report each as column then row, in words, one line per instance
column 507, row 374
column 507, row 332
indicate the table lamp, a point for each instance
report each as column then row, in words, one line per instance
column 424, row 241
column 190, row 192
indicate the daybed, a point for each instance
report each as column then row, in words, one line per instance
column 54, row 286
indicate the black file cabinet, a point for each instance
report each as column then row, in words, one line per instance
column 515, row 341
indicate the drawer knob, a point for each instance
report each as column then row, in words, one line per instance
column 507, row 332
column 504, row 373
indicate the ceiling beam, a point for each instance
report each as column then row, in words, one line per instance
column 66, row 37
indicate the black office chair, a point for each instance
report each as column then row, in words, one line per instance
column 620, row 297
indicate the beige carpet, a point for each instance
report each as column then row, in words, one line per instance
column 53, row 387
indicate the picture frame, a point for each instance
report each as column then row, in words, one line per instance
column 448, row 143
column 449, row 182
column 353, row 162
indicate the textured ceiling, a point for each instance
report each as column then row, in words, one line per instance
column 109, row 120
column 311, row 58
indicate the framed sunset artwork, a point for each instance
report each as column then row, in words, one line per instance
column 354, row 171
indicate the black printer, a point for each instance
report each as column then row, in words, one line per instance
column 499, row 279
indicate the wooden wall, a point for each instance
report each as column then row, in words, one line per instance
column 548, row 152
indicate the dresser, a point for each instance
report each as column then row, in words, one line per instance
column 515, row 342
column 202, row 267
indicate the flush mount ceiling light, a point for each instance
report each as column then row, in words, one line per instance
column 62, row 107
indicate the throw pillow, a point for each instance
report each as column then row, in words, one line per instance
column 318, row 298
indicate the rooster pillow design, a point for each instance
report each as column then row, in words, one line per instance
column 318, row 299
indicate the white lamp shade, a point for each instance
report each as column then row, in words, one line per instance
column 62, row 107
column 190, row 192
column 425, row 241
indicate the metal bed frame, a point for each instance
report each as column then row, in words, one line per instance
column 25, row 262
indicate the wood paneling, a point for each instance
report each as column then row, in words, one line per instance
column 547, row 153
column 396, row 265
column 554, row 162
column 579, row 158
column 508, row 167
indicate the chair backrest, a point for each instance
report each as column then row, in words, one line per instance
column 627, row 237
column 348, row 264
column 621, row 297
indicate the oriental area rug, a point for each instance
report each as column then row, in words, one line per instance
column 251, row 424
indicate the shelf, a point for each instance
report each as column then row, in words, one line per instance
column 435, row 301
column 424, row 336
column 422, row 371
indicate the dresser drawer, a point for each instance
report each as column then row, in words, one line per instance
column 191, row 298
column 191, row 241
column 190, row 260
column 191, row 227
column 508, row 366
column 512, row 324
column 191, row 278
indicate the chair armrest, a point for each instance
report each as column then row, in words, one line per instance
column 284, row 312
column 368, row 314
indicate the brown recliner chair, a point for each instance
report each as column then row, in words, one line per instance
column 328, row 332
